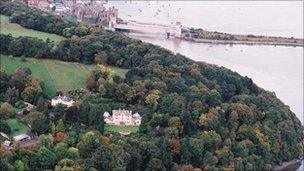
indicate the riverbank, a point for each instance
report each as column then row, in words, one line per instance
column 288, row 166
column 202, row 36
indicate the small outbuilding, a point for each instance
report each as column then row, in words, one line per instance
column 7, row 143
column 29, row 106
column 22, row 137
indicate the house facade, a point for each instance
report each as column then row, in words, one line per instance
column 33, row 3
column 41, row 4
column 62, row 99
column 122, row 117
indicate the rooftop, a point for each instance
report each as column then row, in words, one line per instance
column 136, row 115
column 62, row 98
column 4, row 135
column 20, row 137
column 7, row 143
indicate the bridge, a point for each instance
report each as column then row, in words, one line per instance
column 133, row 26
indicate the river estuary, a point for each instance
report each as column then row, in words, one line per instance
column 274, row 68
column 278, row 69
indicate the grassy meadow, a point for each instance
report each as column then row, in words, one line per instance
column 16, row 30
column 17, row 127
column 57, row 75
column 116, row 128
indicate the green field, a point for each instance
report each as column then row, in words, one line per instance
column 17, row 128
column 16, row 30
column 57, row 75
column 116, row 128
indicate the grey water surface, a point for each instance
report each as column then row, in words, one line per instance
column 278, row 69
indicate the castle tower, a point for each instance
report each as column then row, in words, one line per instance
column 112, row 20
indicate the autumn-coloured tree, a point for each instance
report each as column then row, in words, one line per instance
column 7, row 110
column 152, row 98
column 209, row 120
column 60, row 137
column 175, row 145
column 101, row 58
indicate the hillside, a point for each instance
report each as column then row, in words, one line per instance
column 57, row 75
column 16, row 30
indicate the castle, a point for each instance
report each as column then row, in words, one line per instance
column 122, row 117
column 93, row 12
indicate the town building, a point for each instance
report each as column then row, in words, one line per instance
column 122, row 117
column 60, row 9
column 62, row 99
column 44, row 5
column 90, row 11
column 33, row 3
column 20, row 1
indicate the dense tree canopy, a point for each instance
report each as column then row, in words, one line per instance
column 195, row 115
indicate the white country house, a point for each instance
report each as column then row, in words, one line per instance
column 62, row 99
column 122, row 117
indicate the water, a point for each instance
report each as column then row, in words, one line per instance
column 295, row 167
column 278, row 69
column 301, row 168
column 255, row 17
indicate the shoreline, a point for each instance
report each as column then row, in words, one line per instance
column 292, row 164
column 199, row 35
column 197, row 40
column 215, row 37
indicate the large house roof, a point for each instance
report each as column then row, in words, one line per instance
column 122, row 112
column 136, row 115
column 106, row 114
column 63, row 98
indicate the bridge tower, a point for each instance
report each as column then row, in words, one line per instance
column 167, row 33
column 112, row 22
column 178, row 30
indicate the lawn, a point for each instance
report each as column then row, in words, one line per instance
column 57, row 75
column 17, row 127
column 116, row 128
column 16, row 30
